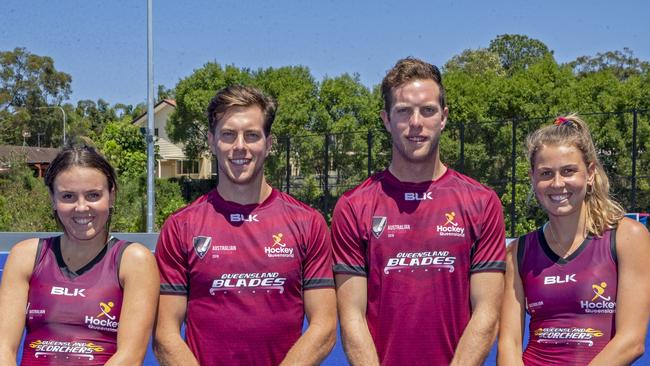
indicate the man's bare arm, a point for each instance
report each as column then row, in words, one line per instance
column 486, row 291
column 168, row 345
column 352, row 300
column 319, row 338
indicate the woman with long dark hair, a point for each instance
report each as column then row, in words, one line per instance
column 85, row 297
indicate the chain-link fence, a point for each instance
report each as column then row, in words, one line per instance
column 318, row 168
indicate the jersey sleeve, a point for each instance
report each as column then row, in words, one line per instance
column 172, row 259
column 349, row 248
column 317, row 265
column 489, row 252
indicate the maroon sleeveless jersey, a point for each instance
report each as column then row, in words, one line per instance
column 571, row 301
column 72, row 319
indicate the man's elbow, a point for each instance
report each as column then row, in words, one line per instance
column 160, row 346
column 327, row 330
column 330, row 338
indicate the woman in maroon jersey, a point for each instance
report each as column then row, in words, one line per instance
column 85, row 297
column 584, row 277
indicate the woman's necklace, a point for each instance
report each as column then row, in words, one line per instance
column 76, row 260
column 557, row 246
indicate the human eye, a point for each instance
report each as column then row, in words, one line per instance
column 402, row 110
column 429, row 111
column 93, row 196
column 227, row 135
column 66, row 196
column 569, row 171
column 252, row 136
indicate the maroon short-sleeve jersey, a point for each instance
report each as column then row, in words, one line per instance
column 571, row 301
column 418, row 243
column 73, row 319
column 243, row 269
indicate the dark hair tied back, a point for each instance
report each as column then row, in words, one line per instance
column 82, row 156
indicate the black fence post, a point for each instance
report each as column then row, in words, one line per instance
column 369, row 140
column 513, row 178
column 461, row 165
column 326, row 178
column 288, row 165
column 635, row 126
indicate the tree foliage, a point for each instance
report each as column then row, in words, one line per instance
column 514, row 85
column 24, row 200
column 124, row 146
column 30, row 83
column 517, row 51
column 622, row 64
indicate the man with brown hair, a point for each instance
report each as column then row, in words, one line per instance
column 243, row 264
column 419, row 248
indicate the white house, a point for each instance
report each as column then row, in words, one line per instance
column 172, row 162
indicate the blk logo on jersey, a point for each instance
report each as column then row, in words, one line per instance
column 558, row 280
column 201, row 245
column 278, row 248
column 425, row 260
column 252, row 282
column 450, row 227
column 104, row 320
column 600, row 302
column 64, row 291
column 415, row 196
column 243, row 218
column 378, row 225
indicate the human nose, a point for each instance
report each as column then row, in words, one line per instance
column 82, row 204
column 239, row 142
column 416, row 118
column 557, row 180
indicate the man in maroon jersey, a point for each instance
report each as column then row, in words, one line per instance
column 419, row 248
column 243, row 264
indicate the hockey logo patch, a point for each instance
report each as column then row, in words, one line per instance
column 201, row 245
column 378, row 225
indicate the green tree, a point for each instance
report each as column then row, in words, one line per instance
column 347, row 111
column 25, row 204
column 27, row 83
column 476, row 62
column 518, row 51
column 125, row 147
column 623, row 64
column 188, row 124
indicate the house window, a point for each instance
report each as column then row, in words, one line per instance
column 184, row 167
column 214, row 171
column 143, row 130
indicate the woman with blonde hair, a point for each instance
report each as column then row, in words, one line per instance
column 584, row 276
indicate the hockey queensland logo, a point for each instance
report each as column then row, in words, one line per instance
column 600, row 302
column 450, row 226
column 278, row 248
column 105, row 319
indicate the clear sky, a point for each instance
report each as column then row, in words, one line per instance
column 102, row 44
